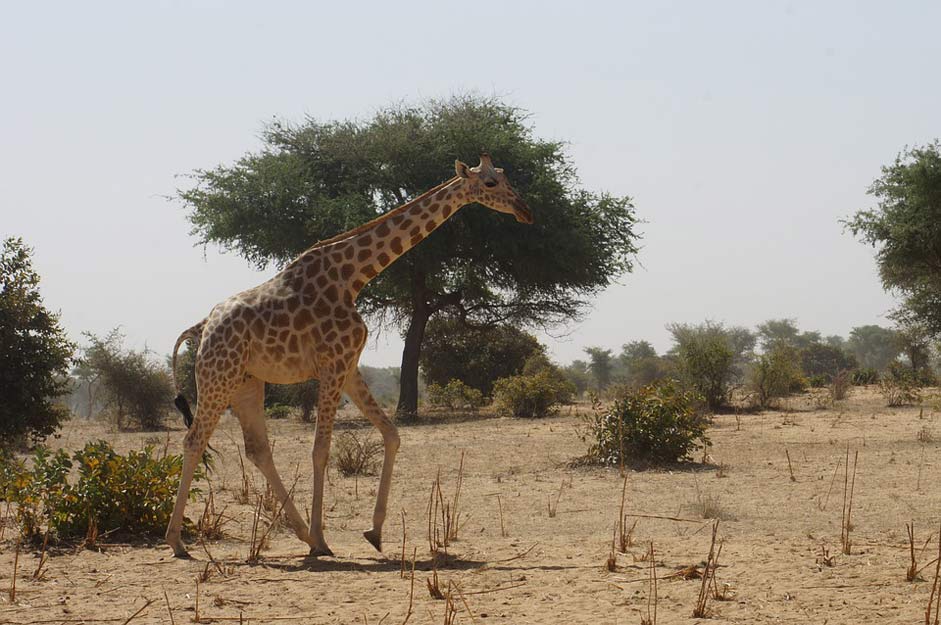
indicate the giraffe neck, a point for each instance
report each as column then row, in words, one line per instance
column 366, row 254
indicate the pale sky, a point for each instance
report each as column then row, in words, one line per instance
column 743, row 130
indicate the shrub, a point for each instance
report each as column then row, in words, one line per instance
column 867, row 375
column 900, row 386
column 34, row 352
column 278, row 411
column 840, row 386
column 132, row 494
column 820, row 359
column 775, row 374
column 135, row 385
column 454, row 350
column 357, row 455
column 818, row 381
column 455, row 395
column 532, row 396
column 659, row 423
column 705, row 359
column 302, row 396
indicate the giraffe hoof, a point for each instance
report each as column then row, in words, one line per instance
column 375, row 539
column 320, row 551
column 182, row 554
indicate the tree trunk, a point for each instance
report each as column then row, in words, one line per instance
column 408, row 377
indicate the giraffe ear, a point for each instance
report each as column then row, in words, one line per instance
column 462, row 169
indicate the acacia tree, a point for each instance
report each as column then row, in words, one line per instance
column 316, row 179
column 34, row 352
column 905, row 229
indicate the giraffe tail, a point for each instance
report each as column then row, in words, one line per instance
column 190, row 334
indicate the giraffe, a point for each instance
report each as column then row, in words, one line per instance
column 302, row 324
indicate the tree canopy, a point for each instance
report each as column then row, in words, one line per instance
column 315, row 179
column 34, row 351
column 905, row 229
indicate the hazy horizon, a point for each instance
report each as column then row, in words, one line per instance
column 743, row 132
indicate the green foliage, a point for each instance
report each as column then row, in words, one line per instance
column 283, row 397
column 822, row 360
column 905, row 229
column 658, row 423
column 862, row 377
column 478, row 355
column 135, row 385
column 900, row 386
column 639, row 365
column 34, row 353
column 785, row 331
column 600, row 366
column 532, row 396
column 455, row 395
column 818, row 381
column 873, row 346
column 705, row 359
column 131, row 494
column 313, row 180
column 776, row 374
column 278, row 411
column 578, row 376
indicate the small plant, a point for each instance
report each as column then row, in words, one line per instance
column 357, row 454
column 278, row 411
column 455, row 395
column 863, row 377
column 132, row 493
column 776, row 374
column 900, row 390
column 925, row 435
column 818, row 381
column 659, row 423
column 840, row 386
column 532, row 396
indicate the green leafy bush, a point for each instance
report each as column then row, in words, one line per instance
column 705, row 357
column 867, row 375
column 532, row 396
column 134, row 493
column 278, row 411
column 455, row 395
column 658, row 423
column 900, row 386
column 818, row 381
column 775, row 374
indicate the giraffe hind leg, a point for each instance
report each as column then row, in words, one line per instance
column 194, row 444
column 249, row 407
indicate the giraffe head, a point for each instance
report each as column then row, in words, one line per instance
column 487, row 185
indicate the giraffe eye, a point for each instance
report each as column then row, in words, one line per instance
column 490, row 183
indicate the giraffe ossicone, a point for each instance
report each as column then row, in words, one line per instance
column 302, row 324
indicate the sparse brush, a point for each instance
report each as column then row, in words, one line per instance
column 553, row 509
column 434, row 588
column 652, row 599
column 625, row 533
column 824, row 558
column 710, row 506
column 38, row 574
column 841, row 386
column 357, row 454
column 450, row 612
column 925, row 435
column 443, row 515
column 709, row 572
column 209, row 525
column 912, row 573
column 611, row 563
column 935, row 597
column 790, row 467
column 848, row 490
column 244, row 494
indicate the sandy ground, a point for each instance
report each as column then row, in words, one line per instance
column 780, row 538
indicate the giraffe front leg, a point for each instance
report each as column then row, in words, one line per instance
column 358, row 391
column 326, row 412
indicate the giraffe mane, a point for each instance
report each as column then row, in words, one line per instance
column 381, row 218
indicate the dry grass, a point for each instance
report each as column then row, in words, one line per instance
column 934, row 599
column 355, row 453
column 849, row 488
column 709, row 573
column 652, row 598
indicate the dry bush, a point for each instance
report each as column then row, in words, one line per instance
column 357, row 454
column 925, row 435
column 840, row 386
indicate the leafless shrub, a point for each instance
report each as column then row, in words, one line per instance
column 357, row 454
